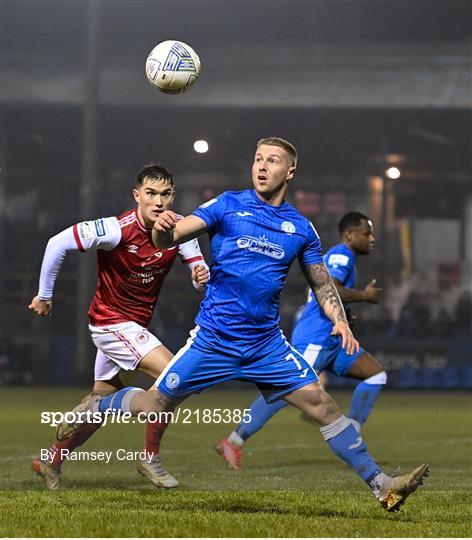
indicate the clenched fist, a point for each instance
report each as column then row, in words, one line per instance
column 200, row 275
column 41, row 307
column 166, row 221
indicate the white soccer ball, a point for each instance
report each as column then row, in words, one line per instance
column 173, row 67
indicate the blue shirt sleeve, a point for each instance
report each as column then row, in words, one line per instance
column 339, row 266
column 212, row 211
column 311, row 252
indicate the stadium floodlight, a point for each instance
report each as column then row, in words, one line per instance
column 393, row 173
column 200, row 146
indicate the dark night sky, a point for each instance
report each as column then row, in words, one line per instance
column 54, row 27
column 54, row 35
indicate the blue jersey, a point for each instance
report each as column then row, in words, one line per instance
column 253, row 245
column 313, row 326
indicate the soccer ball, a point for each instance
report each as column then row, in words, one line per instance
column 173, row 67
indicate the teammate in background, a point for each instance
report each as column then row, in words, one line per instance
column 323, row 351
column 131, row 272
column 255, row 236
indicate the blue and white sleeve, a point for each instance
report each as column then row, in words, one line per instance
column 311, row 252
column 212, row 211
column 339, row 266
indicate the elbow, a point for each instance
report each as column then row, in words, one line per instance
column 162, row 241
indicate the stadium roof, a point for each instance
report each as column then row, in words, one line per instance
column 255, row 54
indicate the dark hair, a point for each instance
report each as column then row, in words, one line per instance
column 154, row 172
column 282, row 143
column 351, row 219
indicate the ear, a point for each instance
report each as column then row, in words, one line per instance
column 136, row 194
column 291, row 173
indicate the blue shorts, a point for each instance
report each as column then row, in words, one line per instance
column 328, row 355
column 209, row 358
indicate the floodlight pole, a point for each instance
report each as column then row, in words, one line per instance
column 3, row 205
column 88, row 183
column 384, row 233
column 384, row 239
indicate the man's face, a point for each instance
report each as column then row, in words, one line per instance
column 361, row 238
column 271, row 169
column 153, row 197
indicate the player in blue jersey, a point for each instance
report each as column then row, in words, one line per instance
column 323, row 351
column 255, row 236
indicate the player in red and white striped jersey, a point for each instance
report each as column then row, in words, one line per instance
column 131, row 272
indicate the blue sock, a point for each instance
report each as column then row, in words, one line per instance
column 261, row 412
column 347, row 444
column 119, row 401
column 363, row 400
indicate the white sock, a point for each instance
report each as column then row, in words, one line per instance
column 380, row 484
column 335, row 428
column 235, row 439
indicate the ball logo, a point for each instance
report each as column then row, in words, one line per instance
column 142, row 338
column 179, row 59
column 288, row 227
column 172, row 380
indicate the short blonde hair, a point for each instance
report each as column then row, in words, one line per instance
column 282, row 143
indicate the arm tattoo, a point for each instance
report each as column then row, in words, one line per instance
column 322, row 285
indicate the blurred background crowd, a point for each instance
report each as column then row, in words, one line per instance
column 376, row 96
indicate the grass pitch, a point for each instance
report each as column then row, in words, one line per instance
column 291, row 484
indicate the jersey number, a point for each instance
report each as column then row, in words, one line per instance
column 291, row 356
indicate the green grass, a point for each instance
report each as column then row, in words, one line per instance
column 291, row 485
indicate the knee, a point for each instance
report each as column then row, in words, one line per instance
column 321, row 400
column 327, row 403
column 321, row 407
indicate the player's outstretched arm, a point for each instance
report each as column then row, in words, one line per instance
column 103, row 233
column 170, row 229
column 322, row 285
column 54, row 255
column 370, row 294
